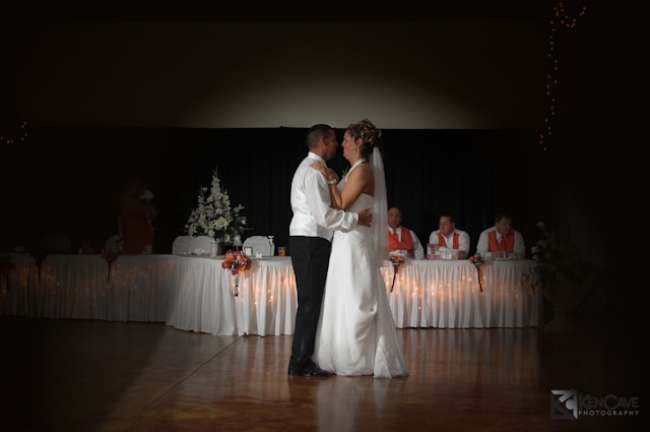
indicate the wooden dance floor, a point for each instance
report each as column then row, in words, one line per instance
column 102, row 376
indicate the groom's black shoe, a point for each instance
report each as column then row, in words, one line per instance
column 313, row 370
column 310, row 369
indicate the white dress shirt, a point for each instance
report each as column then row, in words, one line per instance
column 310, row 202
column 418, row 251
column 463, row 240
column 518, row 249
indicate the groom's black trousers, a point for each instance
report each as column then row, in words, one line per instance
column 310, row 257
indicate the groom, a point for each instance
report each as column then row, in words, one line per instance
column 310, row 233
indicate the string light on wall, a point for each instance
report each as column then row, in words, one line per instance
column 559, row 21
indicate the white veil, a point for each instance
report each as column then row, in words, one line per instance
column 380, row 208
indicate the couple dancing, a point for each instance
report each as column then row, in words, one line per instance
column 343, row 324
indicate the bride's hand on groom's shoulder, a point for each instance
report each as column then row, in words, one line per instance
column 319, row 167
column 328, row 173
column 331, row 175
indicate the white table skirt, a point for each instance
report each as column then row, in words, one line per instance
column 71, row 286
column 512, row 293
column 80, row 287
column 443, row 294
column 196, row 294
column 16, row 284
column 205, row 299
column 140, row 288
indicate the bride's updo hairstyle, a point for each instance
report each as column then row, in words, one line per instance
column 370, row 136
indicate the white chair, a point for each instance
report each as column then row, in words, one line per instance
column 182, row 245
column 114, row 244
column 259, row 244
column 188, row 245
column 201, row 245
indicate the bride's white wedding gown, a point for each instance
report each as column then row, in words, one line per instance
column 356, row 333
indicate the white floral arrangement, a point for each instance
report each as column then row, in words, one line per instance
column 214, row 217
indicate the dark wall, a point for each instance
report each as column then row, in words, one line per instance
column 69, row 179
column 429, row 74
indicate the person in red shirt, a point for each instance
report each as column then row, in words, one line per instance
column 136, row 219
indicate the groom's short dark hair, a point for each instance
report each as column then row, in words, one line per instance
column 316, row 132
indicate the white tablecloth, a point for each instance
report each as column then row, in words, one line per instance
column 15, row 285
column 140, row 288
column 196, row 294
column 79, row 286
column 205, row 298
column 71, row 286
column 435, row 294
column 512, row 294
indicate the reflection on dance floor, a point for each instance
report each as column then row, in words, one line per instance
column 149, row 377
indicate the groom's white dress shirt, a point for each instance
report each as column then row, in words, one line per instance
column 310, row 202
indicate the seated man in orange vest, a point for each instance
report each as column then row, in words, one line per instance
column 447, row 236
column 501, row 240
column 401, row 240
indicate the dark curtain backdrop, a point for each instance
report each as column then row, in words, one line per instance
column 69, row 180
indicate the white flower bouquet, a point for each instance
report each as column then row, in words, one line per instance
column 214, row 217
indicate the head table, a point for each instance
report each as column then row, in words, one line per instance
column 197, row 294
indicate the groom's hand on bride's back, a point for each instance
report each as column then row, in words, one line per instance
column 365, row 217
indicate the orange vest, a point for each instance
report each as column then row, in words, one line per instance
column 394, row 243
column 507, row 243
column 442, row 241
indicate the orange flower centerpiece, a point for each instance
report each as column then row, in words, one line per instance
column 477, row 260
column 396, row 260
column 236, row 262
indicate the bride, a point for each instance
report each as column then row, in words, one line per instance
column 356, row 333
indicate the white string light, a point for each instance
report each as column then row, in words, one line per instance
column 560, row 20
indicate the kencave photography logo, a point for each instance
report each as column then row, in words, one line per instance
column 570, row 405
